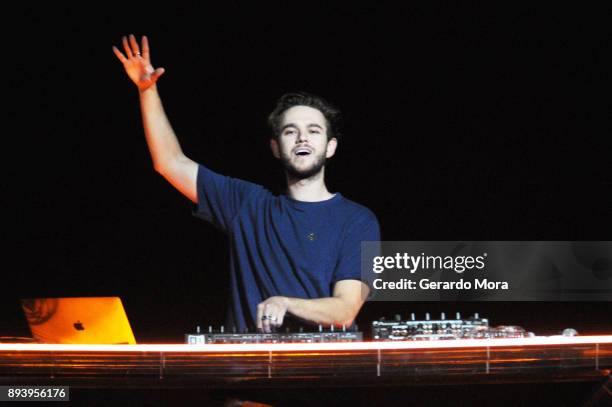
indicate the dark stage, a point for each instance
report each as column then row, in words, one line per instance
column 461, row 121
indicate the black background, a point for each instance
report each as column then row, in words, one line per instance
column 465, row 121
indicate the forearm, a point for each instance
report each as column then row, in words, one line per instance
column 161, row 140
column 323, row 311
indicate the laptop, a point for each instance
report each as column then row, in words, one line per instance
column 80, row 320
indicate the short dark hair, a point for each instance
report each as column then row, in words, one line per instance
column 288, row 100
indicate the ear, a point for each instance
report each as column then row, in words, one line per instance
column 331, row 147
column 274, row 147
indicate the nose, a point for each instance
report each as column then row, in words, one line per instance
column 301, row 137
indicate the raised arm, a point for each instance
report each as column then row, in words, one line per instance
column 168, row 157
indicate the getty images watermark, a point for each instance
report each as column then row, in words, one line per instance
column 488, row 270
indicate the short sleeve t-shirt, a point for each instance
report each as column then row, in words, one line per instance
column 281, row 246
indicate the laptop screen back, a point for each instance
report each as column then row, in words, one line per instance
column 80, row 320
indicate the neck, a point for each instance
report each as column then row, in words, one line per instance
column 311, row 189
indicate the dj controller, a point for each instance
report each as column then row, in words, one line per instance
column 397, row 329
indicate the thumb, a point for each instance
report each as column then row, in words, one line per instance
column 157, row 73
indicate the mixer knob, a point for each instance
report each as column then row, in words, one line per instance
column 398, row 317
column 443, row 316
column 412, row 317
column 222, row 329
column 209, row 329
column 427, row 316
column 320, row 328
column 569, row 332
column 198, row 329
column 458, row 315
column 476, row 316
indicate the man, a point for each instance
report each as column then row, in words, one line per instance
column 296, row 254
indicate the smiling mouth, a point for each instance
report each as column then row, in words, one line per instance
column 302, row 151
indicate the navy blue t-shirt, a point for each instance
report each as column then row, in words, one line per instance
column 281, row 246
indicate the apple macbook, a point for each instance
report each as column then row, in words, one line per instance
column 78, row 320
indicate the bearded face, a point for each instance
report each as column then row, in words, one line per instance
column 303, row 166
column 302, row 145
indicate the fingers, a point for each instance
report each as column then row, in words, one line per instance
column 272, row 318
column 266, row 319
column 157, row 73
column 126, row 47
column 134, row 44
column 260, row 308
column 131, row 47
column 266, row 325
column 279, row 322
column 145, row 48
column 271, row 314
column 121, row 57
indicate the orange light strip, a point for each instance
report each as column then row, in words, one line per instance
column 337, row 346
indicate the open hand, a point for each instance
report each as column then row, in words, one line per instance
column 138, row 66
